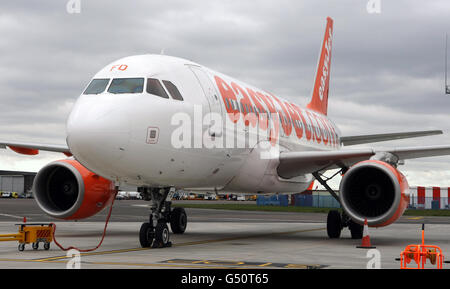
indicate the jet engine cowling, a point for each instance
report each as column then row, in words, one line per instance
column 65, row 189
column 376, row 191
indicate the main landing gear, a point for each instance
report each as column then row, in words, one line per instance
column 335, row 220
column 155, row 233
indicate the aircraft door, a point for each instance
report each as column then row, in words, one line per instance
column 209, row 92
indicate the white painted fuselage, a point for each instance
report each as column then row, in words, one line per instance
column 142, row 139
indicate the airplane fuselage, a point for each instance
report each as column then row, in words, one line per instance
column 221, row 134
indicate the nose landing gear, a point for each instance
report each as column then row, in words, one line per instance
column 155, row 233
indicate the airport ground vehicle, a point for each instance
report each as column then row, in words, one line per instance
column 6, row 194
column 210, row 196
column 31, row 233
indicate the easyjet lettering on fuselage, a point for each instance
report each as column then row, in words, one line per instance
column 254, row 107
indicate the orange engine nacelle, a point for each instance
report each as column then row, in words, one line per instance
column 376, row 191
column 66, row 190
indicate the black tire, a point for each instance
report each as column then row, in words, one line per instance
column 47, row 246
column 21, row 247
column 35, row 246
column 178, row 220
column 356, row 230
column 334, row 224
column 146, row 235
column 161, row 235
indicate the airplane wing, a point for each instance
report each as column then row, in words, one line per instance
column 293, row 164
column 34, row 148
column 371, row 138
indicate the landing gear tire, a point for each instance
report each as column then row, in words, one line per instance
column 161, row 236
column 356, row 230
column 146, row 235
column 334, row 224
column 178, row 220
column 156, row 233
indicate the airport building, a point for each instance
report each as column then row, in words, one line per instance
column 429, row 197
column 20, row 183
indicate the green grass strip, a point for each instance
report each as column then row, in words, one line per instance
column 250, row 207
column 297, row 209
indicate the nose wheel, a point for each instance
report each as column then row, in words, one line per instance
column 155, row 233
column 146, row 235
column 161, row 236
column 178, row 220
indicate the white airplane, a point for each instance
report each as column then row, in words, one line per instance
column 163, row 123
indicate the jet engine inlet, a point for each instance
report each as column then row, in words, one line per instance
column 67, row 190
column 374, row 190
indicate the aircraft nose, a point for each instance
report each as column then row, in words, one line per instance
column 98, row 133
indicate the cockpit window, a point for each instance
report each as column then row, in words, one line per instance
column 173, row 90
column 96, row 86
column 126, row 85
column 155, row 87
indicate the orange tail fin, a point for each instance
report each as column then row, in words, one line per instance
column 319, row 100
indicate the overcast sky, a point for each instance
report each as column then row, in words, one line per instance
column 387, row 69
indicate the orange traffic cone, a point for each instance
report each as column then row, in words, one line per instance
column 366, row 238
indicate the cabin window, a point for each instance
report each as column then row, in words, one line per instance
column 227, row 103
column 233, row 106
column 97, row 86
column 173, row 90
column 247, row 108
column 126, row 85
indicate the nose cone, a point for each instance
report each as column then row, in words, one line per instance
column 98, row 133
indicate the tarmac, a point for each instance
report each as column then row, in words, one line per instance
column 214, row 239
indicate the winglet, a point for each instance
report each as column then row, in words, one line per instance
column 319, row 100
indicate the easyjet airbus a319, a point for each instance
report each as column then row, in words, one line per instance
column 163, row 123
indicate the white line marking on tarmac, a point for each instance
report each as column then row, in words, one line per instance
column 11, row 216
column 218, row 219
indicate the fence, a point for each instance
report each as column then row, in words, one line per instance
column 274, row 200
column 323, row 201
column 317, row 201
column 418, row 202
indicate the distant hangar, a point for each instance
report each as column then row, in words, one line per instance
column 15, row 181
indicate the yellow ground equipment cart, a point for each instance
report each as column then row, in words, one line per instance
column 31, row 233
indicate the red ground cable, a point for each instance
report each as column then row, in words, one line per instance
column 101, row 241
